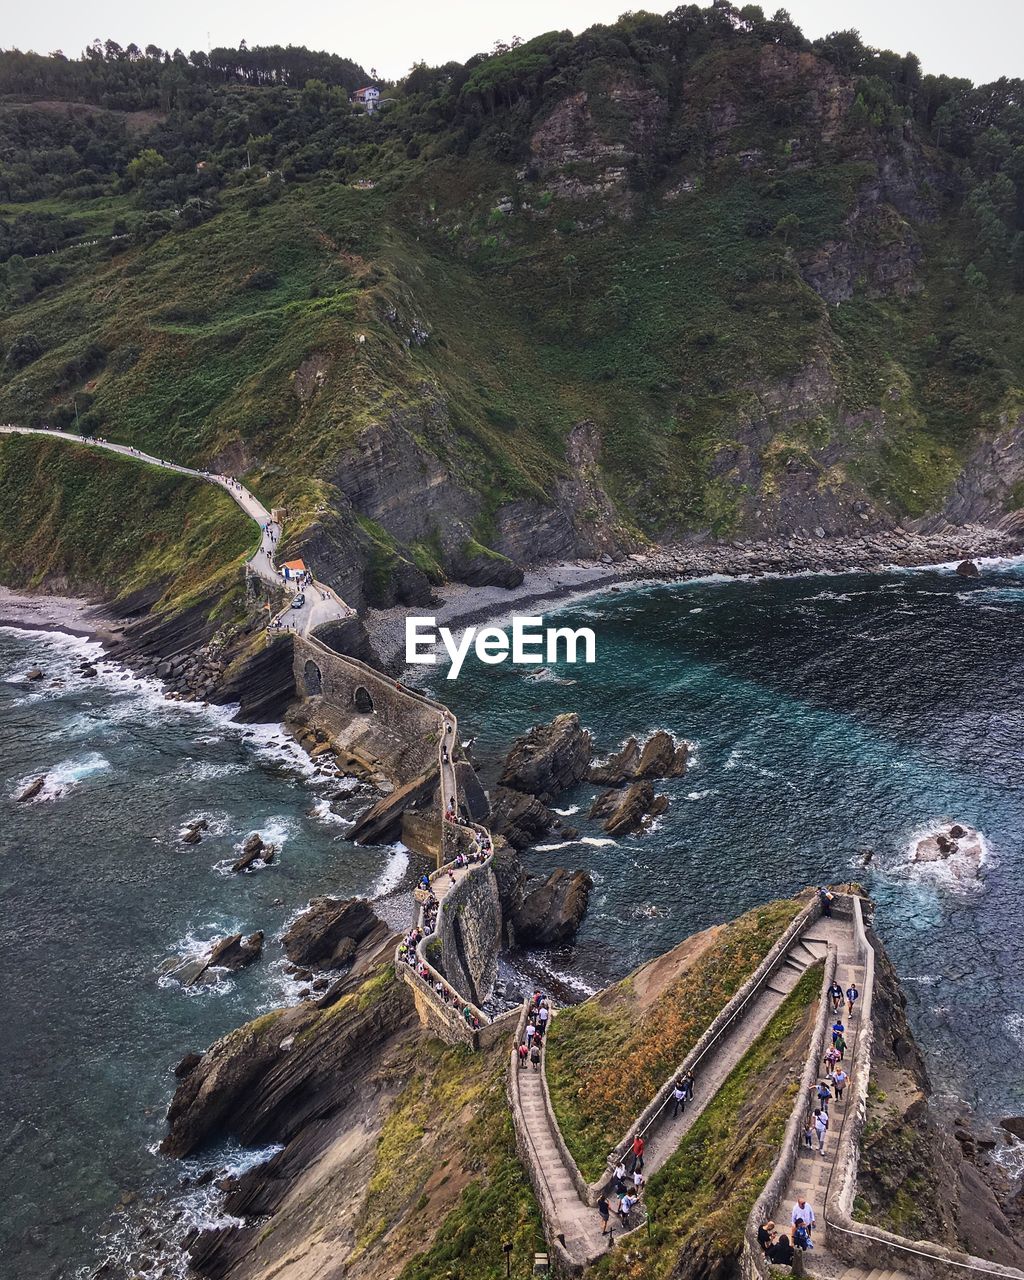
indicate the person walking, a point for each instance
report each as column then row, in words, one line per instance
column 688, row 1083
column 619, row 1179
column 835, row 994
column 809, row 1135
column 821, row 1128
column 803, row 1211
column 543, row 1014
column 524, row 1053
column 825, row 898
column 535, row 1056
column 604, row 1209
column 638, row 1151
column 852, row 996
column 531, row 1031
column 678, row 1099
column 639, row 1182
column 801, row 1238
column 837, row 1031
column 841, row 1046
column 625, row 1207
column 824, row 1094
column 839, row 1082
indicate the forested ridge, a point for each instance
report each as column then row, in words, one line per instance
column 791, row 269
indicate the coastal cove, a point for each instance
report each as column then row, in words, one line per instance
column 833, row 717
column 830, row 715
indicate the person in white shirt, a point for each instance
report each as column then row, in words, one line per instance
column 802, row 1209
column 820, row 1128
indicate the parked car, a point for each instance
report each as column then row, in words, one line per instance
column 299, row 601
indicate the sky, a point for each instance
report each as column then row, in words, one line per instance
column 982, row 41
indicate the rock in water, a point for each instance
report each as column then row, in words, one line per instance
column 551, row 915
column 961, row 854
column 235, row 952
column 329, row 933
column 968, row 569
column 194, row 831
column 548, row 759
column 628, row 811
column 660, row 757
column 254, row 850
column 34, row 674
column 520, row 818
column 33, row 788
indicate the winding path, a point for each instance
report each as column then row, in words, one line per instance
column 571, row 1219
column 321, row 603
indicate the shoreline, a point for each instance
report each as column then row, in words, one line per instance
column 65, row 615
column 799, row 556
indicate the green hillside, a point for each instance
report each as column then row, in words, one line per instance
column 779, row 282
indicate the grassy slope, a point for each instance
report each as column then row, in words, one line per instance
column 80, row 516
column 700, row 1200
column 451, row 1125
column 606, row 1058
column 662, row 326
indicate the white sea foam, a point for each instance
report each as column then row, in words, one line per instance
column 701, row 795
column 391, row 876
column 596, row 841
column 323, row 812
column 63, row 777
column 550, row 848
column 567, row 813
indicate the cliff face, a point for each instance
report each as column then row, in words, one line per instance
column 678, row 277
column 921, row 1174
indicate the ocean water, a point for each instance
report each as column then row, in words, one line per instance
column 97, row 896
column 831, row 716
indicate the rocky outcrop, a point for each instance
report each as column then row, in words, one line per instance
column 265, row 1081
column 236, row 951
column 967, row 569
column 253, row 850
column 921, row 1175
column 550, row 915
column 627, row 812
column 330, row 933
column 193, row 833
column 33, row 789
column 519, row 817
column 382, row 822
column 548, row 759
column 659, row 757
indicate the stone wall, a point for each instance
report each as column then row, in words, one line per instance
column 374, row 717
column 860, row 1243
column 469, row 928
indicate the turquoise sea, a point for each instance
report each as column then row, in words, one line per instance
column 829, row 715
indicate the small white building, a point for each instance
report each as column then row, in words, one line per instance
column 368, row 98
column 293, row 570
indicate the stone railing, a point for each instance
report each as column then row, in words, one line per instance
column 753, row 1264
column 530, row 1158
column 590, row 1192
column 860, row 1243
column 716, row 1031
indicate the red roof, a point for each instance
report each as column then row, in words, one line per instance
column 297, row 565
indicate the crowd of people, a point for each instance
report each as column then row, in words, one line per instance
column 781, row 1248
column 528, row 1049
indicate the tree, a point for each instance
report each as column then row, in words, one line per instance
column 787, row 227
column 149, row 163
column 25, row 348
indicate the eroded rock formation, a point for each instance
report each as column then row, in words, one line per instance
column 551, row 914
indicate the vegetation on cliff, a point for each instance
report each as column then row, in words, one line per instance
column 85, row 517
column 782, row 280
column 619, row 1047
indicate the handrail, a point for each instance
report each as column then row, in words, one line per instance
column 832, row 1210
column 714, row 1033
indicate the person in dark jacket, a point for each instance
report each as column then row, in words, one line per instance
column 766, row 1235
column 781, row 1251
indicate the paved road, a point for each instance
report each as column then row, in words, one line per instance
column 316, row 611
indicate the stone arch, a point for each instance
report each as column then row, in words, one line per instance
column 313, row 679
column 362, row 699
